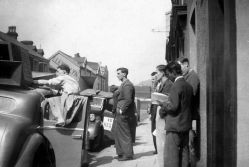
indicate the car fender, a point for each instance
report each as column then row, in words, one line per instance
column 29, row 148
column 94, row 129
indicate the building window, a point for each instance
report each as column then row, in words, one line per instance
column 192, row 21
column 4, row 48
column 31, row 63
column 45, row 68
column 35, row 65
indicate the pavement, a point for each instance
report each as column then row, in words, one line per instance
column 143, row 151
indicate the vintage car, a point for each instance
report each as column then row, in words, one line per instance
column 28, row 137
column 108, row 119
column 99, row 104
column 95, row 125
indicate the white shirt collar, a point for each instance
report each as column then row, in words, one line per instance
column 178, row 78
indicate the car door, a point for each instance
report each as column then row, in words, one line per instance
column 68, row 142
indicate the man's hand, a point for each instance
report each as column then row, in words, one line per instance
column 120, row 111
column 162, row 113
column 159, row 103
column 35, row 82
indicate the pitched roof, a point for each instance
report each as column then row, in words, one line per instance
column 66, row 56
column 80, row 59
column 94, row 65
column 14, row 41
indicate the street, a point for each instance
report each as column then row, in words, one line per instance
column 143, row 149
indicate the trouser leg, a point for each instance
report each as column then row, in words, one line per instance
column 123, row 137
column 172, row 150
column 154, row 142
column 133, row 125
column 153, row 127
column 184, row 150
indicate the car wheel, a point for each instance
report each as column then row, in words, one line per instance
column 96, row 144
column 44, row 157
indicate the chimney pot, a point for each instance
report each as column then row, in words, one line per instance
column 12, row 32
column 77, row 55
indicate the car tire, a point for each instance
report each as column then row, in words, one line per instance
column 96, row 144
column 44, row 157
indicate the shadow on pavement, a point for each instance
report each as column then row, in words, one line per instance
column 107, row 142
column 144, row 154
column 101, row 161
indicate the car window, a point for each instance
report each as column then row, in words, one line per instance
column 97, row 102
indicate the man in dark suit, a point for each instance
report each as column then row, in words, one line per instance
column 125, row 117
column 177, row 114
column 194, row 135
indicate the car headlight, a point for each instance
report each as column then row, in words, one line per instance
column 92, row 117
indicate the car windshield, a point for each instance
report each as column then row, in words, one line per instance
column 97, row 102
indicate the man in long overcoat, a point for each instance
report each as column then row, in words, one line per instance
column 125, row 117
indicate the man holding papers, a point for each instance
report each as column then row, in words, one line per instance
column 163, row 88
column 177, row 114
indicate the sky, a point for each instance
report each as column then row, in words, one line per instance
column 117, row 33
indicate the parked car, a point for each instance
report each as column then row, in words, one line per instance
column 108, row 119
column 95, row 125
column 29, row 138
column 96, row 122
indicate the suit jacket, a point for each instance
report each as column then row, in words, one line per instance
column 178, row 109
column 115, row 100
column 192, row 78
column 126, row 98
column 164, row 88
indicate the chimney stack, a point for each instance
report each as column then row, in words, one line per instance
column 40, row 51
column 76, row 55
column 12, row 32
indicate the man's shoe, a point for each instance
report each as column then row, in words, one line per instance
column 124, row 158
column 155, row 152
column 60, row 124
column 117, row 157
